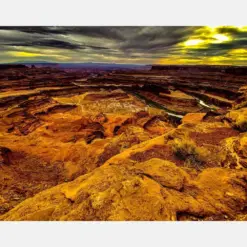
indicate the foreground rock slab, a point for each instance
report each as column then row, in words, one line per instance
column 153, row 190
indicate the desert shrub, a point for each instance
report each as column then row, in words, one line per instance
column 241, row 123
column 186, row 149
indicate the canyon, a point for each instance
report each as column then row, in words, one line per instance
column 167, row 143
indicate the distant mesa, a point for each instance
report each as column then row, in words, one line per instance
column 236, row 70
column 89, row 65
column 12, row 66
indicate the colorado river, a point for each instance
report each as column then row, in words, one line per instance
column 204, row 104
column 157, row 105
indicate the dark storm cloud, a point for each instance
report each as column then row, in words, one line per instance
column 126, row 40
column 235, row 44
column 96, row 47
column 230, row 30
column 47, row 43
column 234, row 32
column 156, row 38
column 138, row 37
column 15, row 39
column 98, row 32
column 38, row 30
column 212, row 50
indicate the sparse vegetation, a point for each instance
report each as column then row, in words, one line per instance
column 186, row 149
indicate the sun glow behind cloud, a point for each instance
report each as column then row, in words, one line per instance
column 204, row 39
column 205, row 36
column 193, row 42
column 219, row 38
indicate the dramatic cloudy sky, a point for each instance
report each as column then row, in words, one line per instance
column 139, row 45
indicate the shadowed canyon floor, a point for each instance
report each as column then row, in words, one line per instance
column 169, row 143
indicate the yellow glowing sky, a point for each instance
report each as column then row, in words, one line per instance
column 203, row 39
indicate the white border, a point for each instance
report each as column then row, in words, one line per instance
column 126, row 234
column 129, row 13
column 125, row 12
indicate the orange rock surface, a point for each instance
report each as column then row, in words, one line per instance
column 70, row 152
column 193, row 117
